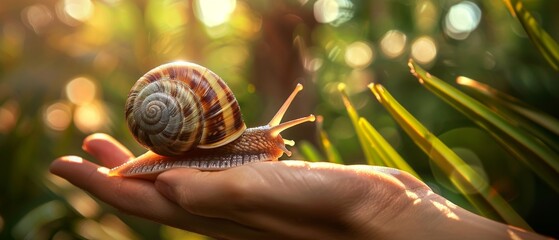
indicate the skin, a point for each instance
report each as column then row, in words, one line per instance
column 281, row 200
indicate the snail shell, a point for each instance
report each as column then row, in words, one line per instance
column 181, row 105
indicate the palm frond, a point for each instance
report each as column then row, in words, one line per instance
column 547, row 46
column 519, row 142
column 469, row 182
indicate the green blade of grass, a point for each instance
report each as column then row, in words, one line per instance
column 488, row 201
column 331, row 152
column 543, row 41
column 309, row 152
column 543, row 161
column 537, row 123
column 371, row 155
column 386, row 151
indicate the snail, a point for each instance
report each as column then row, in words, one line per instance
column 188, row 117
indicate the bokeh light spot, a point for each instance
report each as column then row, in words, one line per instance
column 357, row 82
column 80, row 10
column 334, row 12
column 37, row 17
column 90, row 117
column 81, row 90
column 358, row 55
column 9, row 113
column 462, row 19
column 58, row 116
column 393, row 43
column 325, row 11
column 214, row 12
column 472, row 170
column 83, row 204
column 424, row 50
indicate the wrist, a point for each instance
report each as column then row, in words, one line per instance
column 453, row 222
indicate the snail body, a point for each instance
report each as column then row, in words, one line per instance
column 188, row 117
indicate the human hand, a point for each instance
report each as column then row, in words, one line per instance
column 276, row 200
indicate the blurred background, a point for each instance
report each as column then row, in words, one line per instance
column 66, row 67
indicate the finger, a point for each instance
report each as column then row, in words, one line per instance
column 107, row 150
column 138, row 197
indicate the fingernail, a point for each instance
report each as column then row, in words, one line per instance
column 164, row 189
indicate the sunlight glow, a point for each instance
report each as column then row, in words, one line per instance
column 359, row 55
column 214, row 12
column 414, row 196
column 462, row 19
column 81, row 90
column 58, row 116
column 103, row 170
column 74, row 159
column 513, row 235
column 470, row 82
column 393, row 43
column 446, row 210
column 424, row 50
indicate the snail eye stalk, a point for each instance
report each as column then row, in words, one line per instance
column 279, row 115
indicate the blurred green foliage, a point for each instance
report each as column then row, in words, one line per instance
column 66, row 67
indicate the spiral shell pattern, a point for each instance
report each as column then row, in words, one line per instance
column 181, row 105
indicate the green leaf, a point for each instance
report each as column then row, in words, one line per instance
column 371, row 155
column 309, row 152
column 543, row 41
column 388, row 154
column 533, row 152
column 537, row 123
column 469, row 182
column 331, row 152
